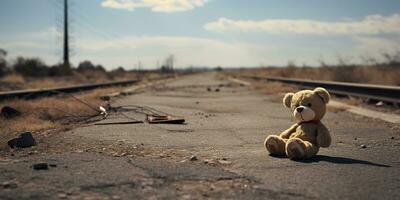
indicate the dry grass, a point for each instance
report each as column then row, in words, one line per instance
column 50, row 113
column 13, row 78
column 272, row 87
column 384, row 75
column 17, row 82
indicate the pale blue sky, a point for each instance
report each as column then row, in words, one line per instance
column 231, row 33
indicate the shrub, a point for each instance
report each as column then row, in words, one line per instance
column 33, row 67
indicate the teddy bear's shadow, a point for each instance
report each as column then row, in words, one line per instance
column 341, row 160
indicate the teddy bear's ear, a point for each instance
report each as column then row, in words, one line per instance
column 323, row 94
column 287, row 99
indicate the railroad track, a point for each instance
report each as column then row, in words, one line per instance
column 390, row 94
column 36, row 93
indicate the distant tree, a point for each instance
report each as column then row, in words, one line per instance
column 392, row 58
column 3, row 62
column 31, row 67
column 218, row 69
column 120, row 69
column 85, row 65
column 168, row 65
column 3, row 53
column 60, row 70
column 88, row 66
column 100, row 68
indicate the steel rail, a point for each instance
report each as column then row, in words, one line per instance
column 370, row 91
column 36, row 93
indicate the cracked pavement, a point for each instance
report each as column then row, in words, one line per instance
column 225, row 130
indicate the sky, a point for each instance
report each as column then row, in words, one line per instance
column 227, row 33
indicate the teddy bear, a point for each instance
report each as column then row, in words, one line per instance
column 303, row 139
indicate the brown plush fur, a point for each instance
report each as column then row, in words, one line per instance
column 303, row 139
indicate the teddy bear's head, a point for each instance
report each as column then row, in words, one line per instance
column 307, row 105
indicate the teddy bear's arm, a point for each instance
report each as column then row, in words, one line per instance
column 286, row 134
column 323, row 136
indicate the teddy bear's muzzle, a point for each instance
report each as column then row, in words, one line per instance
column 303, row 114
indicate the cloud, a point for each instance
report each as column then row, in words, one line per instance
column 197, row 51
column 375, row 46
column 155, row 5
column 370, row 25
column 187, row 50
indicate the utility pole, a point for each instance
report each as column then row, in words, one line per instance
column 66, row 39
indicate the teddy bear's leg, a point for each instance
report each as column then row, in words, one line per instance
column 295, row 148
column 275, row 145
column 311, row 149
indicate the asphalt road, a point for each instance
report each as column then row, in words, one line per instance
column 225, row 130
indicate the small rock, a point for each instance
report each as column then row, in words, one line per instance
column 115, row 154
column 40, row 166
column 392, row 138
column 105, row 98
column 24, row 140
column 116, row 197
column 363, row 146
column 197, row 102
column 217, row 90
column 62, row 196
column 193, row 158
column 9, row 185
column 225, row 162
column 209, row 161
column 53, row 165
column 209, row 89
column 123, row 154
column 355, row 138
column 379, row 104
column 9, row 112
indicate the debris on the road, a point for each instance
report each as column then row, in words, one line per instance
column 103, row 111
column 193, row 158
column 115, row 197
column 123, row 154
column 209, row 161
column 105, row 98
column 379, row 104
column 40, row 166
column 24, row 140
column 224, row 162
column 113, row 123
column 153, row 116
column 62, row 195
column 153, row 119
column 9, row 185
column 363, row 146
column 9, row 112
